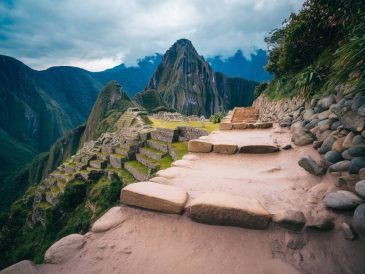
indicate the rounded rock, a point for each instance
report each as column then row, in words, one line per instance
column 358, row 220
column 360, row 188
column 342, row 200
column 333, row 157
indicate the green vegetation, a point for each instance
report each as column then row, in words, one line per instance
column 138, row 166
column 181, row 149
column 80, row 205
column 208, row 126
column 318, row 48
column 216, row 117
column 166, row 162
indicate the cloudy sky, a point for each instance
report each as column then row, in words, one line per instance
column 96, row 35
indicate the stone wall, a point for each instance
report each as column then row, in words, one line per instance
column 189, row 133
column 281, row 111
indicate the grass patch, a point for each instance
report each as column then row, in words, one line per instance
column 153, row 150
column 157, row 123
column 138, row 166
column 166, row 162
column 44, row 205
column 181, row 149
column 127, row 178
column 55, row 190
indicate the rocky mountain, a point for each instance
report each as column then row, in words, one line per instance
column 185, row 82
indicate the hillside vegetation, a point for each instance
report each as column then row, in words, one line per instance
column 321, row 47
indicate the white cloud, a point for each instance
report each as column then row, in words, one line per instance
column 100, row 34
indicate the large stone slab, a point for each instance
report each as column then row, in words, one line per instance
column 259, row 149
column 225, row 126
column 200, row 146
column 225, row 148
column 219, row 208
column 64, row 249
column 109, row 220
column 148, row 195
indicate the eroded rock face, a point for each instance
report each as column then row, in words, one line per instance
column 64, row 249
column 109, row 220
column 220, row 208
column 342, row 200
column 154, row 196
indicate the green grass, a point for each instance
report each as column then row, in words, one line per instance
column 44, row 205
column 209, row 126
column 181, row 149
column 55, row 190
column 138, row 166
column 155, row 151
column 166, row 162
column 127, row 178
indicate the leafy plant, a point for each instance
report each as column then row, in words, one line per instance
column 216, row 117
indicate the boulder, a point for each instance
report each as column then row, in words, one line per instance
column 225, row 148
column 312, row 124
column 199, row 146
column 361, row 111
column 340, row 166
column 358, row 101
column 311, row 166
column 333, row 157
column 355, row 151
column 259, row 149
column 327, row 145
column 347, row 232
column 342, row 200
column 356, row 164
column 347, row 182
column 308, row 114
column 358, row 220
column 358, row 140
column 148, row 195
column 64, row 249
column 324, row 115
column 287, row 147
column 326, row 102
column 219, row 208
column 302, row 138
column 352, row 121
column 338, row 145
column 22, row 267
column 360, row 188
column 347, row 143
column 290, row 219
column 324, row 125
column 109, row 220
column 362, row 174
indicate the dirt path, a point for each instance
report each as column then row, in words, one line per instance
column 150, row 242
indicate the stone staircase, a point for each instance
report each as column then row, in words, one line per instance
column 243, row 118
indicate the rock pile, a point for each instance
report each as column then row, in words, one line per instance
column 335, row 126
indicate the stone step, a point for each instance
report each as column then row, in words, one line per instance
column 258, row 149
column 154, row 196
column 134, row 147
column 165, row 135
column 219, row 208
column 103, row 156
column 148, row 162
column 117, row 160
column 159, row 145
column 98, row 164
column 152, row 153
column 139, row 171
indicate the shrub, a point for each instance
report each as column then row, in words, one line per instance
column 216, row 117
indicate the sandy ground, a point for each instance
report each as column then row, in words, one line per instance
column 150, row 242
